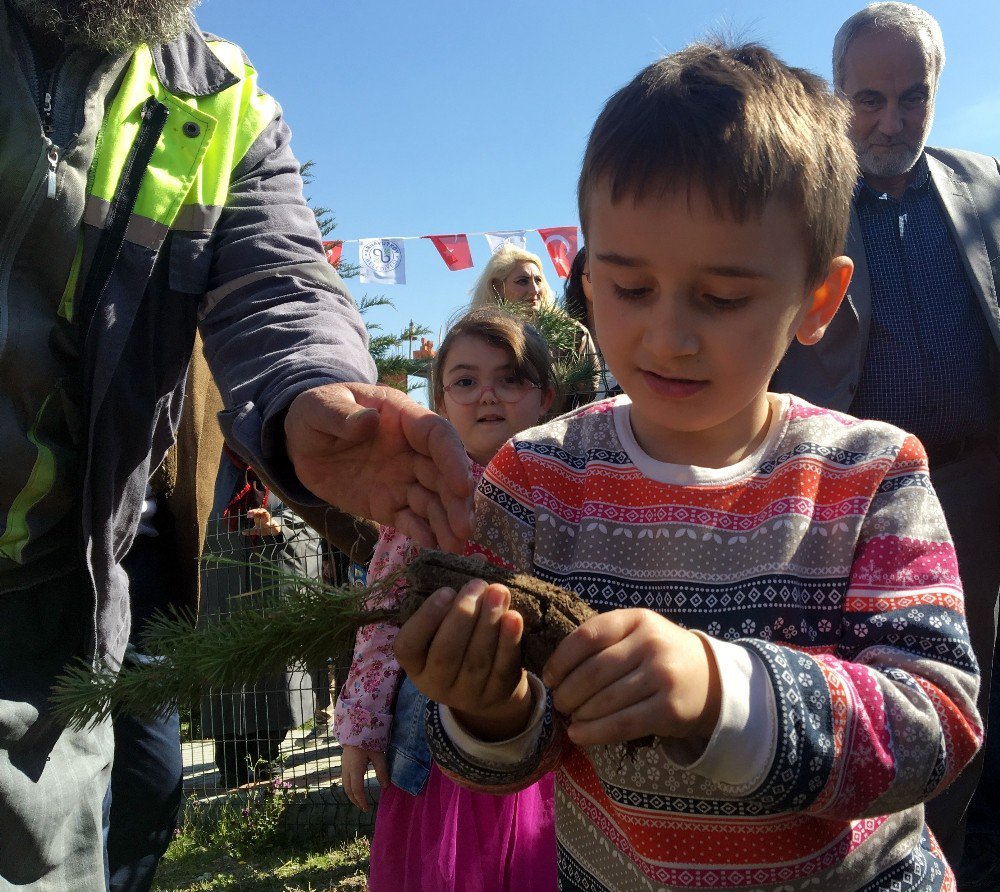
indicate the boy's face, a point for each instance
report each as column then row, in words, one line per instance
column 693, row 313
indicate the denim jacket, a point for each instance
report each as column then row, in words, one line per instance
column 408, row 753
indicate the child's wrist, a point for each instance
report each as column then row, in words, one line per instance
column 503, row 721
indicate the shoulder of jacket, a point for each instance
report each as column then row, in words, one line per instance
column 200, row 64
column 963, row 162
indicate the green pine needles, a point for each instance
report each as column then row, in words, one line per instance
column 310, row 622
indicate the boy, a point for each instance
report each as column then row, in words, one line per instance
column 780, row 603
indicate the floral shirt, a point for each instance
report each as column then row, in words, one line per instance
column 363, row 715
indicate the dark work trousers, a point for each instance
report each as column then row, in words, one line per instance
column 52, row 779
column 144, row 799
column 969, row 491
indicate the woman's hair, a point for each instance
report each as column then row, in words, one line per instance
column 574, row 299
column 529, row 354
column 500, row 264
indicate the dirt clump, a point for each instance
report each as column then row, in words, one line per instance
column 550, row 613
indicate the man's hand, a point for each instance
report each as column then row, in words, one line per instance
column 464, row 651
column 373, row 451
column 627, row 674
column 353, row 768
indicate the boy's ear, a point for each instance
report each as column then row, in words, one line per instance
column 826, row 299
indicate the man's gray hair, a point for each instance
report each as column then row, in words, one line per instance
column 911, row 21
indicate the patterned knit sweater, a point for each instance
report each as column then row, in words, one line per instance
column 821, row 572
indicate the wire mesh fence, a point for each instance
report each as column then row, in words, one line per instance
column 279, row 730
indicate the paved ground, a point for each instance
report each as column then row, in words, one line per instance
column 310, row 762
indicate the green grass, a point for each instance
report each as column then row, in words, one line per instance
column 192, row 866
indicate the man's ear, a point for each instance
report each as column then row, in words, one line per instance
column 826, row 299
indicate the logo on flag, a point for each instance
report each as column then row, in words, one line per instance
column 382, row 261
column 561, row 243
column 454, row 250
column 515, row 237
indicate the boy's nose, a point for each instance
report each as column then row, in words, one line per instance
column 672, row 333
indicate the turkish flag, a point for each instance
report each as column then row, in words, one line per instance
column 333, row 251
column 561, row 244
column 454, row 250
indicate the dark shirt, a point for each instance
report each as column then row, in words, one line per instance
column 928, row 364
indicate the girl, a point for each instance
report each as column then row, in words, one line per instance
column 492, row 378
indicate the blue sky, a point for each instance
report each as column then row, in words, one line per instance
column 435, row 117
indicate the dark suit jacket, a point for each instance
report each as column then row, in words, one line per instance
column 968, row 187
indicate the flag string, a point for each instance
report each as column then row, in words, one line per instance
column 416, row 238
column 382, row 260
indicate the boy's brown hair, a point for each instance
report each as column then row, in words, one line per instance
column 530, row 357
column 738, row 122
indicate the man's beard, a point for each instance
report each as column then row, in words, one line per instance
column 894, row 161
column 886, row 164
column 113, row 26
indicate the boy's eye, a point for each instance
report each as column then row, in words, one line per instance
column 629, row 293
column 725, row 303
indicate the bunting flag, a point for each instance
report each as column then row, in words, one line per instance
column 333, row 250
column 515, row 237
column 454, row 250
column 382, row 261
column 561, row 244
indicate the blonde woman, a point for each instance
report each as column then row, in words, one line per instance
column 513, row 277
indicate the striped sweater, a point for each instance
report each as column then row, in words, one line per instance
column 821, row 572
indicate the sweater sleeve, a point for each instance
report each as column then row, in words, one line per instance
column 363, row 714
column 889, row 718
column 504, row 533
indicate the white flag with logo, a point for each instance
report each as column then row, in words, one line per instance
column 382, row 261
column 513, row 237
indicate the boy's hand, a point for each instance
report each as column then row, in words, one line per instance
column 354, row 767
column 464, row 650
column 631, row 673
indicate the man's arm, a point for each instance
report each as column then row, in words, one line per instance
column 284, row 340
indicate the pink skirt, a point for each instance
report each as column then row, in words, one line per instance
column 449, row 839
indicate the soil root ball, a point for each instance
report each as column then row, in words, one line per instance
column 550, row 613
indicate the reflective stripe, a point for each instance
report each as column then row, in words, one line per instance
column 145, row 232
column 190, row 218
column 197, row 218
column 312, row 270
column 140, row 230
column 43, row 474
column 95, row 212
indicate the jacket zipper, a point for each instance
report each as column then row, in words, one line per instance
column 45, row 114
column 51, row 149
column 154, row 119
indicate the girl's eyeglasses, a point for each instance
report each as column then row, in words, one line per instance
column 466, row 391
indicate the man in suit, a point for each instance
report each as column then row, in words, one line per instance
column 916, row 341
